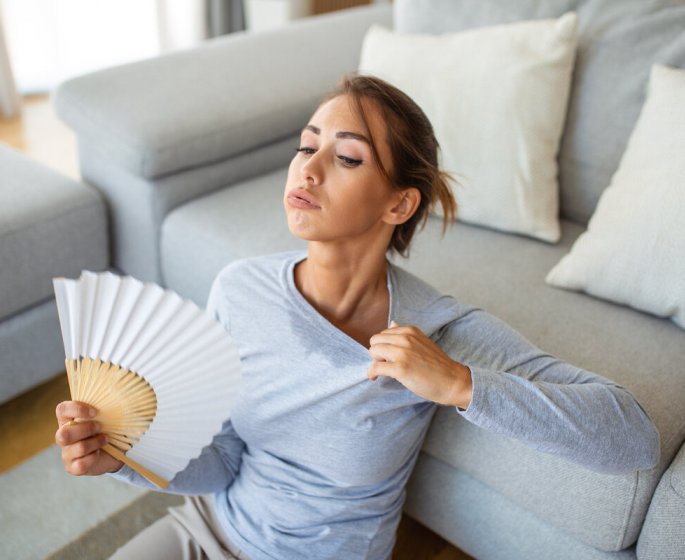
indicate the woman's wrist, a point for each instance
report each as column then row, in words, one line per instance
column 463, row 386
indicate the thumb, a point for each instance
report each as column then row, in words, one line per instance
column 393, row 324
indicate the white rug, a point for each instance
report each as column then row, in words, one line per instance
column 42, row 508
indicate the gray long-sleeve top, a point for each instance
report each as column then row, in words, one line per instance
column 314, row 460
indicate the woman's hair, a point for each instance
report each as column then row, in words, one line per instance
column 414, row 150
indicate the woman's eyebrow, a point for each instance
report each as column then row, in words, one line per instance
column 341, row 134
column 353, row 135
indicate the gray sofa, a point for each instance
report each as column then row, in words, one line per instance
column 49, row 226
column 190, row 150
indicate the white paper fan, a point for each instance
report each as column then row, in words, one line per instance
column 162, row 372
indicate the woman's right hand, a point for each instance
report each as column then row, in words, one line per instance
column 81, row 441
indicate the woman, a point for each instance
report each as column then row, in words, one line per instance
column 345, row 358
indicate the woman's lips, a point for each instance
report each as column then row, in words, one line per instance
column 302, row 199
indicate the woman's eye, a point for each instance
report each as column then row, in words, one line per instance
column 350, row 162
column 347, row 161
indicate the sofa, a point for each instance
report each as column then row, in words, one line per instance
column 190, row 151
column 50, row 226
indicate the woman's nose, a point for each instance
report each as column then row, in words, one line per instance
column 311, row 170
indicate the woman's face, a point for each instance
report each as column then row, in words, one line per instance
column 335, row 190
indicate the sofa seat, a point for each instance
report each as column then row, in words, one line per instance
column 50, row 226
column 504, row 274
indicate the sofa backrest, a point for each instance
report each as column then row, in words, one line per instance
column 619, row 40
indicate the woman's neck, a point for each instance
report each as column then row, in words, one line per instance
column 344, row 286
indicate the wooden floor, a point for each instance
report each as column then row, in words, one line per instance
column 38, row 132
column 27, row 423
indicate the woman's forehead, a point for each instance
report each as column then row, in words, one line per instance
column 342, row 111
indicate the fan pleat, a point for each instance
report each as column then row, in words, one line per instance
column 187, row 356
column 179, row 328
column 198, row 339
column 62, row 289
column 155, row 326
column 148, row 299
column 88, row 293
column 127, row 296
column 74, row 302
column 108, row 287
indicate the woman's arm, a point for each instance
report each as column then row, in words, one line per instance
column 215, row 468
column 514, row 389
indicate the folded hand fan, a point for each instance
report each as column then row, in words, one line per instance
column 162, row 373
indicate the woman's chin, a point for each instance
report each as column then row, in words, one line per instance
column 301, row 227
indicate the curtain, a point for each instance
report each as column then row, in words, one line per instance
column 224, row 16
column 9, row 98
column 182, row 24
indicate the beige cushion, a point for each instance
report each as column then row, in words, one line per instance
column 497, row 98
column 633, row 252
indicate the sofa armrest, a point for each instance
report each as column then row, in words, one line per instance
column 663, row 532
column 218, row 100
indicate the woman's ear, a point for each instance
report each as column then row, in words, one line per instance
column 404, row 209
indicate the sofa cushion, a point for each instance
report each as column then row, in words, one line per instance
column 518, row 124
column 49, row 226
column 504, row 274
column 632, row 252
column 619, row 40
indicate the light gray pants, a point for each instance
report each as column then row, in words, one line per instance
column 191, row 531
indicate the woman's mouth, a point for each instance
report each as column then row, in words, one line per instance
column 303, row 200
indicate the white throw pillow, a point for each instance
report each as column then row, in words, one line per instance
column 633, row 251
column 497, row 99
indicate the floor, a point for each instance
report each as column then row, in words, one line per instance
column 27, row 423
column 38, row 132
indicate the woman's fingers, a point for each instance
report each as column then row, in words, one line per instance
column 82, row 448
column 95, row 463
column 382, row 350
column 67, row 411
column 409, row 356
column 71, row 432
column 404, row 337
column 390, row 349
column 85, row 456
column 81, row 443
column 378, row 368
column 81, row 440
column 386, row 337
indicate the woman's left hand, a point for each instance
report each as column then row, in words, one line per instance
column 409, row 356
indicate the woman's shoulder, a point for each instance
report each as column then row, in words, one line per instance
column 412, row 287
column 246, row 279
column 419, row 302
column 261, row 266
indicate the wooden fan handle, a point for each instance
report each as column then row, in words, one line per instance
column 140, row 469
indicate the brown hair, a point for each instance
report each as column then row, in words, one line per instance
column 414, row 150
